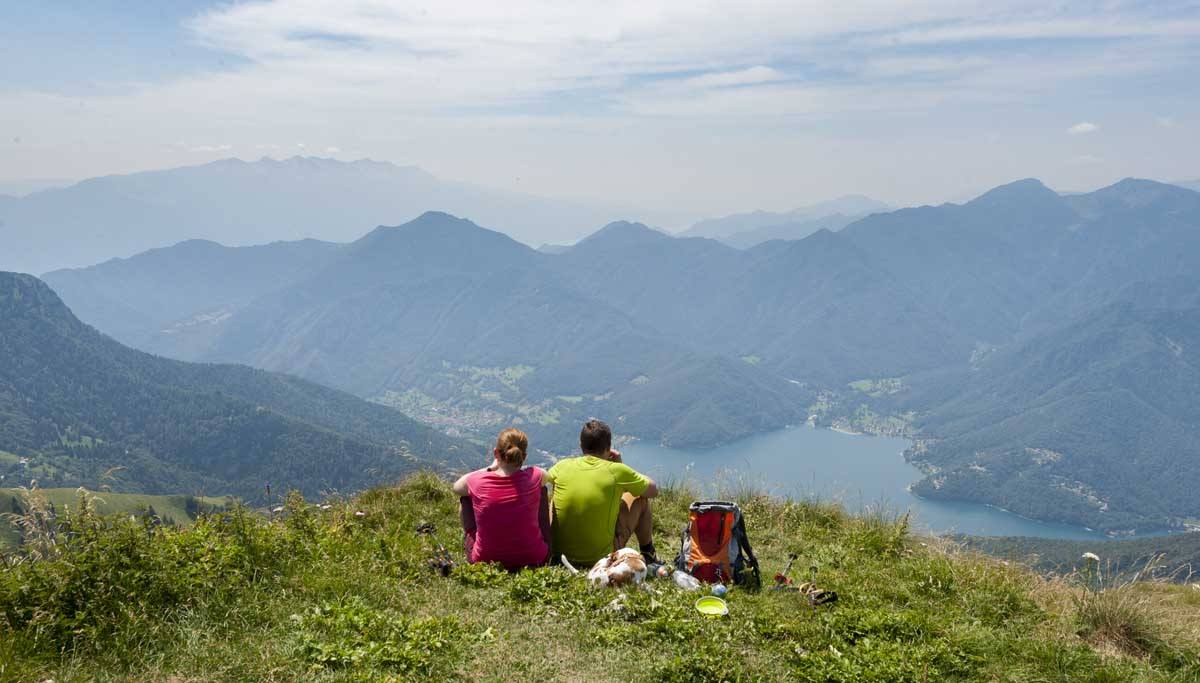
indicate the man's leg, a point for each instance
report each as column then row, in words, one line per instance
column 635, row 519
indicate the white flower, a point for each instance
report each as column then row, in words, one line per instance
column 360, row 513
column 1091, row 556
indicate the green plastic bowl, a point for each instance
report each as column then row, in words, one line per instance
column 712, row 606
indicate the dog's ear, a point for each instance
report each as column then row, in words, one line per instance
column 620, row 576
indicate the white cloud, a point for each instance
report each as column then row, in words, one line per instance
column 211, row 148
column 722, row 79
column 1165, row 122
column 1083, row 128
column 421, row 57
column 333, row 150
column 472, row 90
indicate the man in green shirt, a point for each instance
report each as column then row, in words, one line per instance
column 598, row 501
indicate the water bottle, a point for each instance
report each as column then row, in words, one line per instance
column 686, row 581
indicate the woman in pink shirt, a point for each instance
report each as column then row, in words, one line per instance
column 505, row 513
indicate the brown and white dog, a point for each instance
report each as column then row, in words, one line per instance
column 624, row 567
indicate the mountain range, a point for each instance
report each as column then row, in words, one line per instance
column 453, row 323
column 242, row 203
column 1037, row 347
column 745, row 230
column 78, row 408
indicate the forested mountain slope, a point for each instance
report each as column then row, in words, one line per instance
column 77, row 407
column 1094, row 423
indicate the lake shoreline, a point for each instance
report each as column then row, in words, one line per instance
column 810, row 461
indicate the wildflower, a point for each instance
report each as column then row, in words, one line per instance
column 1091, row 556
column 326, row 506
column 360, row 513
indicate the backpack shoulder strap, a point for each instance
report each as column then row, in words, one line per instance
column 743, row 540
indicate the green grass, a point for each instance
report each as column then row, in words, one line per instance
column 331, row 595
column 167, row 507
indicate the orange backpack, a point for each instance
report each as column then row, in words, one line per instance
column 715, row 548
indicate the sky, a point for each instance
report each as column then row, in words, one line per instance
column 712, row 106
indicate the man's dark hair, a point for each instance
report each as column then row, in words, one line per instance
column 595, row 438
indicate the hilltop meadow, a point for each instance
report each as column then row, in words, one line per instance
column 342, row 591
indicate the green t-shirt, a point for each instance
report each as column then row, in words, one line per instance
column 587, row 500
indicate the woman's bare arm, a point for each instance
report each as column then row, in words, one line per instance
column 460, row 487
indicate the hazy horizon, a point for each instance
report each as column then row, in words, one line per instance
column 660, row 106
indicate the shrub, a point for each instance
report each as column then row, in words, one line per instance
column 554, row 588
column 114, row 573
column 481, row 575
column 352, row 635
column 707, row 665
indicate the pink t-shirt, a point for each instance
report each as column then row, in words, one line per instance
column 506, row 518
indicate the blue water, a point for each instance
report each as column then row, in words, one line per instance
column 858, row 471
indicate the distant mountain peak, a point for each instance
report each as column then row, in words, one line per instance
column 1132, row 193
column 430, row 222
column 1138, row 191
column 1019, row 190
column 437, row 239
column 625, row 232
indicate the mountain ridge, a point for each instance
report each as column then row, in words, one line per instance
column 239, row 203
column 76, row 404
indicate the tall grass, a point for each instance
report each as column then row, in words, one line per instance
column 1119, row 616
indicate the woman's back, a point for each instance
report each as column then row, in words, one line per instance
column 506, row 508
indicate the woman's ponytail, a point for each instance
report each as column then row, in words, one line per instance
column 511, row 446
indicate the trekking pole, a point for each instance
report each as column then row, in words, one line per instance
column 782, row 582
column 812, row 592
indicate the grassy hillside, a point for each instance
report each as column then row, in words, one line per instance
column 1176, row 556
column 177, row 509
column 345, row 594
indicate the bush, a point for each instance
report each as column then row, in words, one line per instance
column 352, row 635
column 702, row 666
column 481, row 575
column 554, row 588
column 115, row 573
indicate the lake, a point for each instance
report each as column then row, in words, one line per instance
column 859, row 471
